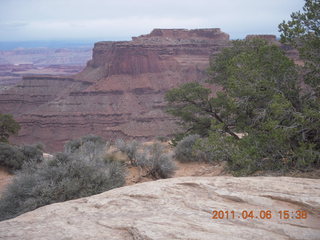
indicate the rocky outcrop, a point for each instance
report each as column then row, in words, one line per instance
column 121, row 91
column 181, row 208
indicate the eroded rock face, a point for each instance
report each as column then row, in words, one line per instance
column 179, row 208
column 119, row 94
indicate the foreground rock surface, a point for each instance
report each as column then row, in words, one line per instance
column 178, row 208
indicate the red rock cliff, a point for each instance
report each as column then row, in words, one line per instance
column 119, row 93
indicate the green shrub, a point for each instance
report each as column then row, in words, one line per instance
column 13, row 157
column 156, row 162
column 32, row 152
column 306, row 156
column 65, row 177
column 186, row 150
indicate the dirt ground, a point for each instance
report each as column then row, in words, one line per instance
column 136, row 175
column 5, row 178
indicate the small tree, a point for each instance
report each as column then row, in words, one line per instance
column 8, row 126
column 252, row 73
column 303, row 32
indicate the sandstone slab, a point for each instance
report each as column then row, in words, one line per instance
column 179, row 208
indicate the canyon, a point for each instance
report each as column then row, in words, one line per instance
column 120, row 92
column 18, row 62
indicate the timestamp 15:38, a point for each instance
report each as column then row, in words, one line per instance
column 259, row 214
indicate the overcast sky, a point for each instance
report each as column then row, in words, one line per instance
column 24, row 20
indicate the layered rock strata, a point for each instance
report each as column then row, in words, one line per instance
column 120, row 93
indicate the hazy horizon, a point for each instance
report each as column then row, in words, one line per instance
column 14, row 45
column 98, row 20
column 63, row 43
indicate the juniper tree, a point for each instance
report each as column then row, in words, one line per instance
column 261, row 97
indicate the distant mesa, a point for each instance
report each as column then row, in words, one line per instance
column 208, row 33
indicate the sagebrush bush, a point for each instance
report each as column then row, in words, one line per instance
column 90, row 143
column 13, row 157
column 129, row 148
column 60, row 179
column 32, row 152
column 10, row 156
column 65, row 177
column 185, row 150
column 156, row 161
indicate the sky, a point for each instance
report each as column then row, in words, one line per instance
column 99, row 20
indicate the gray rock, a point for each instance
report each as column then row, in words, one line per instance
column 179, row 208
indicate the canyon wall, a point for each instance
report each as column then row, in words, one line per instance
column 119, row 94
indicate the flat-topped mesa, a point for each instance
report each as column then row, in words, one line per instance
column 183, row 36
column 149, row 53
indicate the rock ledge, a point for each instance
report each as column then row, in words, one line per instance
column 179, row 208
